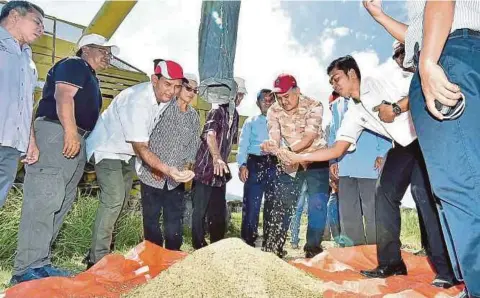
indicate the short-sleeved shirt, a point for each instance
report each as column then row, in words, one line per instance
column 360, row 115
column 130, row 117
column 218, row 121
column 77, row 72
column 18, row 76
column 289, row 129
column 175, row 140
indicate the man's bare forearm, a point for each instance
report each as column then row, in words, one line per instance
column 404, row 104
column 66, row 113
column 213, row 146
column 437, row 23
column 396, row 29
column 150, row 158
column 337, row 150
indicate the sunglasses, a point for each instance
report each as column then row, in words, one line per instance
column 190, row 89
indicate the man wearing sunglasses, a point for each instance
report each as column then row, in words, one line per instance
column 295, row 124
column 256, row 170
column 67, row 112
column 123, row 133
column 21, row 23
column 403, row 165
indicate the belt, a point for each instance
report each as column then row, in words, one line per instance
column 82, row 132
column 263, row 158
column 457, row 33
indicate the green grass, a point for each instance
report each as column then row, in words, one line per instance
column 74, row 239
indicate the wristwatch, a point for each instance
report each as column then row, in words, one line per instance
column 396, row 109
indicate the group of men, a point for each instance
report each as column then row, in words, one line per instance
column 150, row 129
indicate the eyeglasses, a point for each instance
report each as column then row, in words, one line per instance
column 190, row 89
column 103, row 51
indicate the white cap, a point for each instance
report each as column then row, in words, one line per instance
column 241, row 85
column 95, row 39
column 191, row 77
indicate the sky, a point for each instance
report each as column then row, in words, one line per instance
column 296, row 37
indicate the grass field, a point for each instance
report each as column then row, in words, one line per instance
column 75, row 236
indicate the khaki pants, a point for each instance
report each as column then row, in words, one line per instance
column 115, row 179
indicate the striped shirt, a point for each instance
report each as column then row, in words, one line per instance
column 467, row 15
column 175, row 140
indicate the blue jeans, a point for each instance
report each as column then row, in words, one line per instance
column 317, row 188
column 451, row 150
column 261, row 174
column 333, row 217
column 296, row 221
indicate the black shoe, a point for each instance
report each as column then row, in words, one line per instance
column 386, row 271
column 90, row 265
column 310, row 253
column 441, row 282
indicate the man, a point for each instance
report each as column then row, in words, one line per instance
column 296, row 121
column 448, row 77
column 256, row 170
column 68, row 111
column 403, row 165
column 21, row 23
column 175, row 141
column 127, row 123
column 357, row 173
column 212, row 172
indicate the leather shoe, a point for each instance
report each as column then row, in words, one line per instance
column 386, row 271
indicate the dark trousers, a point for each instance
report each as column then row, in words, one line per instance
column 405, row 165
column 278, row 211
column 156, row 201
column 261, row 175
column 208, row 201
column 452, row 154
column 316, row 177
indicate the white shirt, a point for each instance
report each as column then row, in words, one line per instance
column 130, row 117
column 466, row 15
column 18, row 77
column 360, row 115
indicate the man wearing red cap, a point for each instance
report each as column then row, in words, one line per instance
column 295, row 124
column 123, row 132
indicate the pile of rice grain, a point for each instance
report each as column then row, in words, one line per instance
column 230, row 268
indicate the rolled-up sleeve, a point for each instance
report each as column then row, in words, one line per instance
column 212, row 123
column 314, row 119
column 350, row 129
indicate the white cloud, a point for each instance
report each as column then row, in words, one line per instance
column 333, row 23
column 328, row 45
column 325, row 22
column 341, row 31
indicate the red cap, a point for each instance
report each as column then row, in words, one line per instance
column 284, row 83
column 169, row 69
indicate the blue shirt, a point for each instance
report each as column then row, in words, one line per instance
column 18, row 77
column 358, row 163
column 88, row 100
column 254, row 133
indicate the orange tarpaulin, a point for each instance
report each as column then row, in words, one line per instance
column 112, row 276
column 338, row 268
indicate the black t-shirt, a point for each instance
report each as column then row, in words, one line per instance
column 88, row 100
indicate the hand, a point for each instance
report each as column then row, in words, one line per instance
column 334, row 171
column 32, row 154
column 269, row 146
column 288, row 157
column 219, row 166
column 157, row 175
column 435, row 86
column 71, row 144
column 385, row 112
column 374, row 7
column 334, row 185
column 243, row 173
column 378, row 163
column 180, row 176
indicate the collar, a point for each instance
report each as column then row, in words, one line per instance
column 364, row 87
column 89, row 67
column 4, row 34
